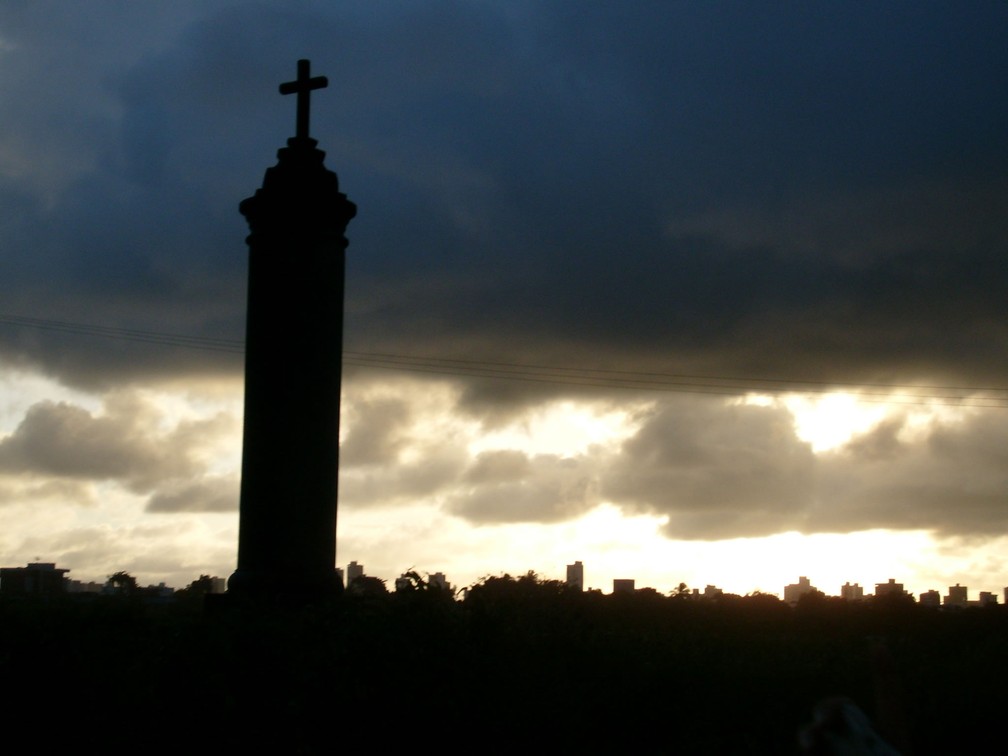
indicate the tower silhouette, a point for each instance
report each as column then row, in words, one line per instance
column 293, row 359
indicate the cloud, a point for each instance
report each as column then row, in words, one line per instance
column 376, row 428
column 714, row 467
column 64, row 448
column 717, row 470
column 429, row 473
column 722, row 470
column 401, row 440
column 511, row 486
column 209, row 494
column 46, row 490
column 949, row 478
column 68, row 441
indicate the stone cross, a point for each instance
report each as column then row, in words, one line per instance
column 303, row 86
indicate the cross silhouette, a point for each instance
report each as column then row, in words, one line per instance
column 303, row 86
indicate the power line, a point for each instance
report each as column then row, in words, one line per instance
column 637, row 373
column 965, row 396
column 127, row 334
column 641, row 379
column 588, row 381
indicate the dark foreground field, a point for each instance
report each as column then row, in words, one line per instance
column 520, row 666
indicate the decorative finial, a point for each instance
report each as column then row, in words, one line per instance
column 303, row 86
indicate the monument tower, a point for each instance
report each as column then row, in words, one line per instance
column 293, row 360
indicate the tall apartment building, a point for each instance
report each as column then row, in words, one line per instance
column 795, row 591
column 892, row 588
column 353, row 571
column 438, row 580
column 956, row 596
column 987, row 598
column 575, row 576
column 850, row 592
column 35, row 579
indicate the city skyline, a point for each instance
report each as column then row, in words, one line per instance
column 957, row 595
column 702, row 294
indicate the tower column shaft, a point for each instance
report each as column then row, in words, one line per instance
column 290, row 459
column 293, row 364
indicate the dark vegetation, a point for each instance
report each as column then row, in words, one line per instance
column 518, row 664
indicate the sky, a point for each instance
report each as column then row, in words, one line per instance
column 710, row 293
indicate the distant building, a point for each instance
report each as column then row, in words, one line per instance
column 623, row 585
column 438, row 580
column 77, row 586
column 892, row 588
column 850, row 592
column 354, row 571
column 575, row 576
column 956, row 596
column 795, row 591
column 987, row 598
column 403, row 583
column 36, row 579
column 160, row 593
column 930, row 598
column 712, row 592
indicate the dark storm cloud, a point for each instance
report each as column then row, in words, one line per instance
column 800, row 190
column 805, row 192
column 134, row 221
